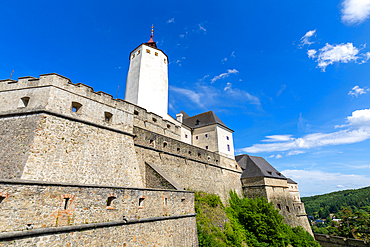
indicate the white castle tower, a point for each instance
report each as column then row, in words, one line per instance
column 147, row 78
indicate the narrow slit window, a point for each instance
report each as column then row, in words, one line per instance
column 196, row 138
column 168, row 126
column 136, row 113
column 165, row 144
column 133, row 56
column 165, row 61
column 24, row 102
column 138, row 52
column 141, row 202
column 207, row 147
column 186, row 136
column 189, row 152
column 165, row 201
column 76, row 107
column 287, row 208
column 178, row 150
column 108, row 117
column 217, row 161
column 227, row 138
column 228, row 147
column 154, row 120
column 183, row 199
column 152, row 143
column 110, row 201
column 2, row 198
column 199, row 155
column 66, row 200
column 279, row 206
column 206, row 135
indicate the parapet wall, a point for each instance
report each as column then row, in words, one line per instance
column 131, row 214
column 199, row 170
column 335, row 241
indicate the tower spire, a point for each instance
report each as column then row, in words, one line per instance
column 151, row 42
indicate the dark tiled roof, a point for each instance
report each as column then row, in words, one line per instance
column 290, row 181
column 184, row 114
column 203, row 119
column 254, row 166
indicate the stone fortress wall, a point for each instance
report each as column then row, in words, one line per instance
column 67, row 148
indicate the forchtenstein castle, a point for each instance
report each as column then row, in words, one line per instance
column 80, row 168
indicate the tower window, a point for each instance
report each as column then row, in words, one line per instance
column 165, row 61
column 227, row 138
column 24, row 102
column 147, row 51
column 228, row 147
column 196, row 138
column 76, row 107
column 186, row 136
column 133, row 56
column 108, row 117
column 138, row 52
column 156, row 54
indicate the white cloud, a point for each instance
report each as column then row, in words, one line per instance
column 232, row 54
column 319, row 182
column 193, row 96
column 355, row 11
column 237, row 94
column 356, row 91
column 171, row 20
column 278, row 138
column 281, row 90
column 358, row 131
column 342, row 53
column 311, row 53
column 228, row 86
column 305, row 40
column 224, row 60
column 201, row 27
column 295, row 152
column 271, row 156
column 278, row 156
column 224, row 75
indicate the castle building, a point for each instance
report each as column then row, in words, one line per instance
column 79, row 167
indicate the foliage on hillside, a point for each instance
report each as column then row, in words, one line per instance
column 246, row 222
column 322, row 205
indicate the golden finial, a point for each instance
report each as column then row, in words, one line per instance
column 152, row 28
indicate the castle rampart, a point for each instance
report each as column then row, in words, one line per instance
column 49, row 211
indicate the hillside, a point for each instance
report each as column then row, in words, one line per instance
column 245, row 222
column 321, row 206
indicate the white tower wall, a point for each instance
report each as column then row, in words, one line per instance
column 147, row 80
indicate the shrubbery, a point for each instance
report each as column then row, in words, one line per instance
column 246, row 222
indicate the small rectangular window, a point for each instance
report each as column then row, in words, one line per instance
column 206, row 135
column 138, row 52
column 207, row 147
column 141, row 202
column 227, row 138
column 196, row 138
column 66, row 203
column 156, row 54
column 287, row 209
column 154, row 120
column 147, row 51
column 228, row 147
column 24, row 102
column 165, row 201
column 136, row 113
column 279, row 206
column 133, row 56
column 186, row 136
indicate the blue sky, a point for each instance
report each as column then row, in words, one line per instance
column 291, row 78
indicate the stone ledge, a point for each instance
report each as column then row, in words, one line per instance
column 46, row 183
column 180, row 156
column 63, row 229
column 41, row 111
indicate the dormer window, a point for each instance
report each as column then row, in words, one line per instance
column 269, row 172
column 197, row 122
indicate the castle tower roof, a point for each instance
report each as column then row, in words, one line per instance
column 151, row 42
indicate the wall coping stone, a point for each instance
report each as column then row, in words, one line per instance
column 63, row 229
column 42, row 111
column 46, row 183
